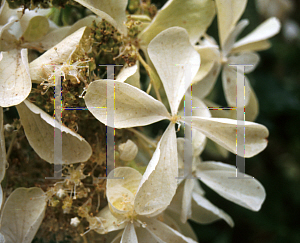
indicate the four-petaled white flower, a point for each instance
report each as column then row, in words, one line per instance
column 241, row 52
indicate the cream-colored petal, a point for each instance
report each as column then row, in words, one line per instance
column 171, row 219
column 176, row 62
column 202, row 88
column 130, row 75
column 247, row 192
column 109, row 222
column 256, row 46
column 223, row 132
column 36, row 27
column 43, row 67
column 129, row 235
column 2, row 148
column 159, row 183
column 204, row 212
column 245, row 58
column 121, row 192
column 236, row 31
column 15, row 84
column 51, row 39
column 133, row 107
column 228, row 12
column 229, row 81
column 186, row 210
column 174, row 13
column 209, row 56
column 113, row 11
column 252, row 108
column 22, row 214
column 39, row 130
column 2, row 238
column 266, row 30
column 165, row 233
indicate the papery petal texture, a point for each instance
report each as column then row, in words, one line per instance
column 176, row 62
column 174, row 13
column 39, row 130
column 22, row 214
column 114, row 11
column 223, row 132
column 133, row 107
column 2, row 147
column 15, row 84
column 159, row 183
column 247, row 192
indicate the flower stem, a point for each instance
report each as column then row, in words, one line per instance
column 153, row 76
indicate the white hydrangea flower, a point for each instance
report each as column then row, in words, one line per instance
column 126, row 211
column 18, row 31
column 232, row 52
column 169, row 48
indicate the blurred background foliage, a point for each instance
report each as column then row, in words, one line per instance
column 276, row 82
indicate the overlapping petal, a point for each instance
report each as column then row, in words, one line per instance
column 158, row 185
column 15, row 83
column 22, row 214
column 227, row 22
column 223, row 132
column 266, row 30
column 174, row 13
column 133, row 107
column 176, row 62
column 43, row 67
column 129, row 235
column 204, row 212
column 121, row 189
column 39, row 130
column 246, row 192
column 113, row 11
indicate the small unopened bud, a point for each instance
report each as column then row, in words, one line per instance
column 128, row 150
column 75, row 222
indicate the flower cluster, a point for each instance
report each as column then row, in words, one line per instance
column 150, row 194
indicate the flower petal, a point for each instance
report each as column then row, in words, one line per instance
column 229, row 81
column 256, row 46
column 174, row 13
column 228, row 12
column 248, row 192
column 15, row 78
column 158, row 185
column 130, row 75
column 186, row 210
column 204, row 212
column 22, row 214
column 209, row 56
column 109, row 222
column 114, row 11
column 165, row 233
column 121, row 192
column 133, row 107
column 2, row 148
column 43, row 67
column 245, row 58
column 129, row 235
column 223, row 132
column 35, row 27
column 266, row 30
column 202, row 88
column 176, row 62
column 39, row 130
